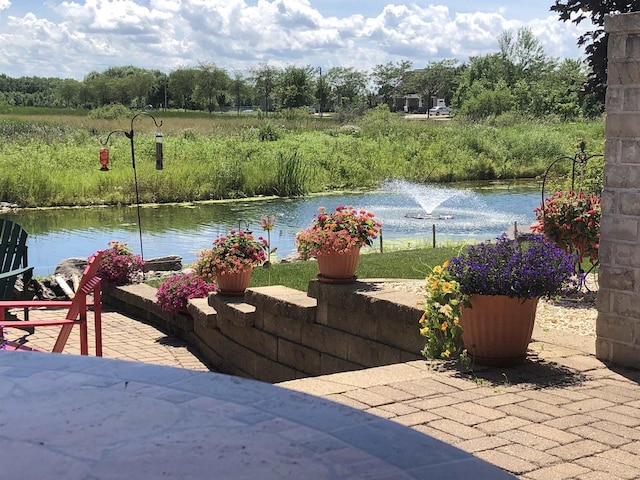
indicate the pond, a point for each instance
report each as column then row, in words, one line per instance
column 407, row 211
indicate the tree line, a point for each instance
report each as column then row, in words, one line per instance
column 520, row 77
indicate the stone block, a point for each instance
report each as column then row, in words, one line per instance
column 619, row 228
column 233, row 309
column 371, row 354
column 617, row 279
column 615, row 94
column 285, row 327
column 258, row 341
column 618, row 353
column 622, row 125
column 609, row 201
column 330, row 364
column 326, row 340
column 163, row 264
column 201, row 312
column 621, row 75
column 625, row 304
column 620, row 176
column 632, row 45
column 625, row 255
column 612, row 150
column 616, row 328
column 621, row 25
column 283, row 302
column 632, row 97
column 630, row 152
column 274, row 372
column 299, row 357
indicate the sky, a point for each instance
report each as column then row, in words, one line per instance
column 69, row 39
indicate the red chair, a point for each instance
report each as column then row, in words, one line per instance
column 76, row 313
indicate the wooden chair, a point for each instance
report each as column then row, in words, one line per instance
column 13, row 260
column 75, row 315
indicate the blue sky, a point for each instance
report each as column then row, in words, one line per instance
column 71, row 38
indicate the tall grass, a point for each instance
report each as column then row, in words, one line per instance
column 53, row 160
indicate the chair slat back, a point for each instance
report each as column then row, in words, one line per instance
column 13, row 246
column 88, row 282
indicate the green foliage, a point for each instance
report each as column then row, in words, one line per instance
column 398, row 264
column 290, row 176
column 114, row 111
column 221, row 156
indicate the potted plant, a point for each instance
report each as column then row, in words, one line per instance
column 119, row 266
column 230, row 262
column 335, row 240
column 572, row 220
column 483, row 301
column 175, row 291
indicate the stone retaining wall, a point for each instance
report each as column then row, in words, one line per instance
column 277, row 333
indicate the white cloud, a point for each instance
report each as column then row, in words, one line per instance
column 237, row 34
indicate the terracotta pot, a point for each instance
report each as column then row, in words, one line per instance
column 233, row 284
column 338, row 267
column 497, row 329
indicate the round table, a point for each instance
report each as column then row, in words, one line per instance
column 71, row 417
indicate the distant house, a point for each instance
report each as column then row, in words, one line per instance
column 413, row 103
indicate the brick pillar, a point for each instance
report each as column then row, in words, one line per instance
column 618, row 324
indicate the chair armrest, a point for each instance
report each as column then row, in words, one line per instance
column 16, row 272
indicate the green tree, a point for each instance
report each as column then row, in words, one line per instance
column 431, row 80
column 594, row 41
column 389, row 79
column 211, row 83
column 347, row 87
column 294, row 87
column 264, row 79
column 182, row 83
column 69, row 92
column 239, row 89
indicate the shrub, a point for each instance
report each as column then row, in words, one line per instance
column 572, row 220
column 119, row 266
column 173, row 293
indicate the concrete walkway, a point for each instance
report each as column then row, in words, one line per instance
column 561, row 415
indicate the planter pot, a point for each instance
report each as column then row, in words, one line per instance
column 338, row 267
column 233, row 284
column 497, row 329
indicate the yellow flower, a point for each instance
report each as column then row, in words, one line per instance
column 424, row 331
column 446, row 265
column 446, row 353
column 437, row 270
column 435, row 284
column 444, row 326
column 423, row 318
column 446, row 287
column 456, row 321
column 446, row 309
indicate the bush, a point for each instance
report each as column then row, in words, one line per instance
column 175, row 291
column 119, row 266
column 114, row 111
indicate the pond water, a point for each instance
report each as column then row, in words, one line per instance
column 407, row 212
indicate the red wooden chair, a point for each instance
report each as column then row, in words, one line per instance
column 76, row 313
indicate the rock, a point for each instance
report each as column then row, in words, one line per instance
column 70, row 267
column 8, row 207
column 163, row 264
column 292, row 257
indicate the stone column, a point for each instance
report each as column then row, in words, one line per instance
column 618, row 324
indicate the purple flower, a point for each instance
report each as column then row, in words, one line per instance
column 531, row 266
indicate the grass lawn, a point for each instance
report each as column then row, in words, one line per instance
column 398, row 264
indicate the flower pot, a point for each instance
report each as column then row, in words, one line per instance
column 497, row 329
column 338, row 267
column 233, row 284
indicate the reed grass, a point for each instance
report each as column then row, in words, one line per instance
column 49, row 160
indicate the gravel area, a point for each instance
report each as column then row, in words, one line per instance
column 575, row 314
